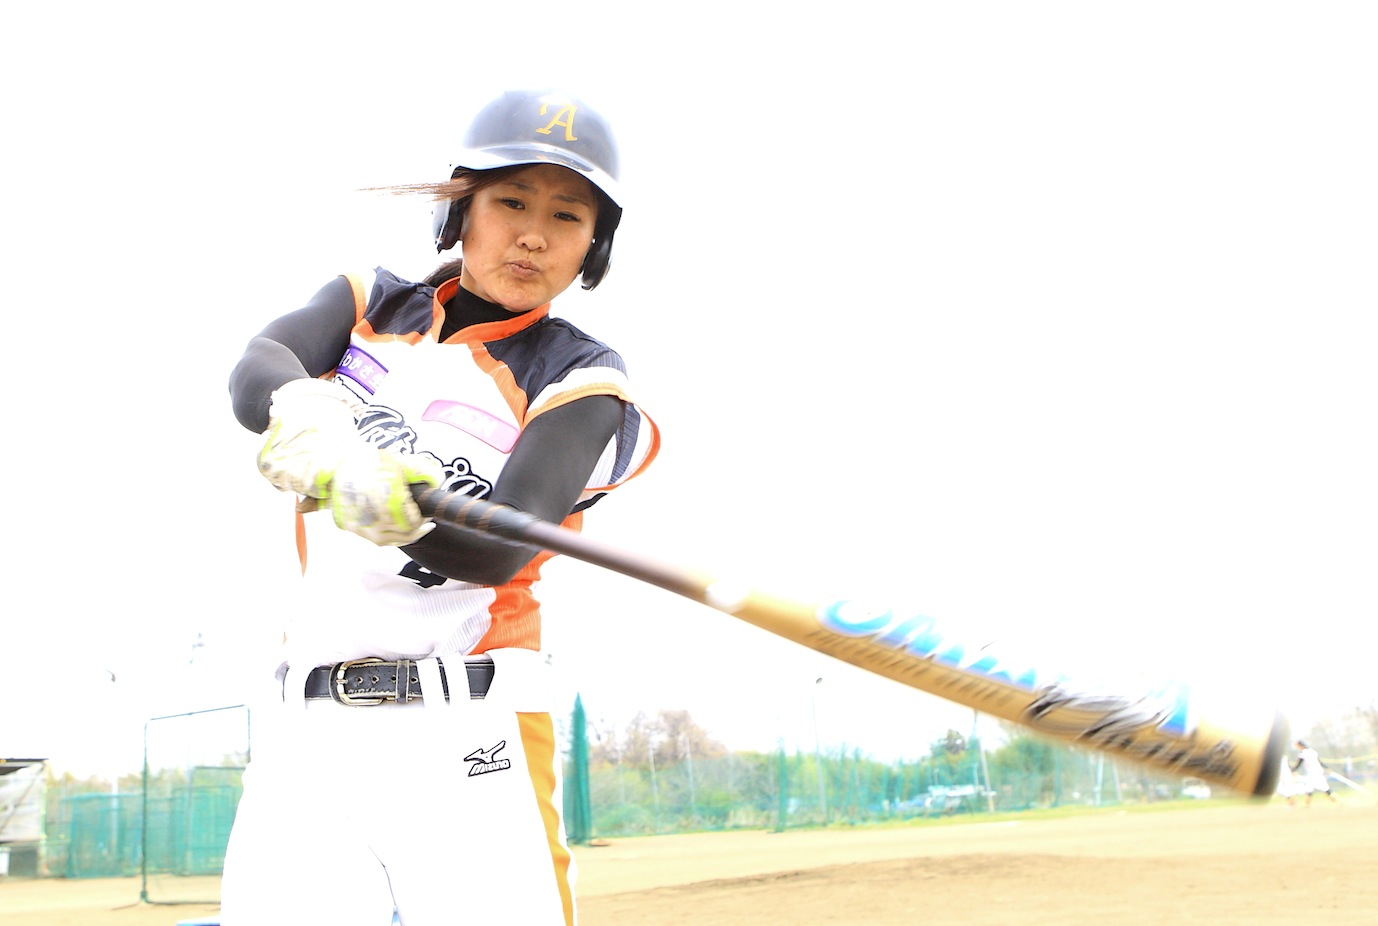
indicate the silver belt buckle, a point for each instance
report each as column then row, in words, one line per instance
column 337, row 689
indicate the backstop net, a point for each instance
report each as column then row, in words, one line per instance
column 193, row 767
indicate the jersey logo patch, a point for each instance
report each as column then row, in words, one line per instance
column 386, row 429
column 486, row 760
column 476, row 422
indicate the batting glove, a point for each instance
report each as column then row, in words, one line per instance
column 311, row 428
column 370, row 495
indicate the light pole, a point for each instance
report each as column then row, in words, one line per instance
column 655, row 789
column 818, row 754
column 689, row 765
column 115, row 776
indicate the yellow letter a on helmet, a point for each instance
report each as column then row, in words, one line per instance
column 565, row 118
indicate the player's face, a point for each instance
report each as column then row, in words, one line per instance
column 524, row 238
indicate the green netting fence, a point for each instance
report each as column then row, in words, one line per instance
column 95, row 836
column 186, row 828
column 192, row 781
column 803, row 789
column 175, row 829
column 172, row 831
column 664, row 775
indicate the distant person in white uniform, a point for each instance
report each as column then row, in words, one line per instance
column 1310, row 771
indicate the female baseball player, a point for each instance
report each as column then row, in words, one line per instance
column 409, row 760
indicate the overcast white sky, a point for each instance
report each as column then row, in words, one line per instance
column 1054, row 319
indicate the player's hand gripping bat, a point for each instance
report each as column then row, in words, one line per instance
column 1159, row 728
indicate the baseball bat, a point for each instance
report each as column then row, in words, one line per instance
column 1162, row 728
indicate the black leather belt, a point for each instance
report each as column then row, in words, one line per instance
column 366, row 682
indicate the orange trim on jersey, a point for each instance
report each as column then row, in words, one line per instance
column 501, row 375
column 443, row 293
column 604, row 389
column 593, row 389
column 515, row 614
column 582, row 392
column 301, row 541
column 538, row 743
column 364, row 329
column 486, row 331
column 356, row 285
column 651, row 454
column 475, row 336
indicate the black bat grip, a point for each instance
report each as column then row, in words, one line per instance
column 519, row 527
column 476, row 514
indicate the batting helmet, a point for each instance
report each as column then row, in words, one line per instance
column 531, row 127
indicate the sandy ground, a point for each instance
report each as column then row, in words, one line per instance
column 1219, row 863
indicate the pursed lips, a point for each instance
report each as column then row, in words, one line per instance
column 523, row 267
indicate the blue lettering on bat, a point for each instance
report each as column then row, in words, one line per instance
column 919, row 636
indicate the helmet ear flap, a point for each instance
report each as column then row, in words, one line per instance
column 596, row 262
column 599, row 255
column 447, row 219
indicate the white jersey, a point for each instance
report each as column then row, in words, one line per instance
column 464, row 402
column 1310, row 770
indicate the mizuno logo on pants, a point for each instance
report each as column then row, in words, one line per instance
column 486, row 760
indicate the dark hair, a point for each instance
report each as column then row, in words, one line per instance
column 459, row 190
column 446, row 271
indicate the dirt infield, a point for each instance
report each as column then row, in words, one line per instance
column 1219, row 863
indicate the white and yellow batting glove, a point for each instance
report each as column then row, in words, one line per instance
column 371, row 495
column 313, row 448
column 311, row 428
